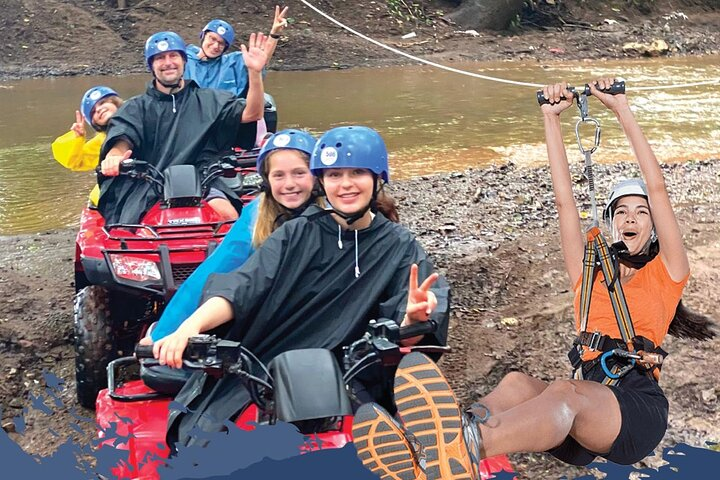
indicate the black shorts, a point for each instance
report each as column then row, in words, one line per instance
column 644, row 411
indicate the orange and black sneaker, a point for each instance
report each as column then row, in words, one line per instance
column 429, row 410
column 384, row 447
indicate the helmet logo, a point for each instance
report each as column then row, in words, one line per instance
column 281, row 140
column 95, row 95
column 221, row 30
column 328, row 156
column 163, row 45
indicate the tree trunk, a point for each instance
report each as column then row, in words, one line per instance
column 486, row 14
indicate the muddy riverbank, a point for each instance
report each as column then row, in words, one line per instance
column 498, row 246
column 90, row 37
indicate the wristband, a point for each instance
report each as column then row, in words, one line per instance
column 276, row 36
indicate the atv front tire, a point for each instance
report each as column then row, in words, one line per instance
column 94, row 346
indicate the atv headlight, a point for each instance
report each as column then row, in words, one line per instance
column 133, row 268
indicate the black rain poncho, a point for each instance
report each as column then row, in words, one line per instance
column 299, row 290
column 192, row 126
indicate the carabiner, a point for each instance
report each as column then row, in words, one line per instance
column 583, row 150
column 622, row 371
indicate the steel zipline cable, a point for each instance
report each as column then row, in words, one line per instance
column 477, row 75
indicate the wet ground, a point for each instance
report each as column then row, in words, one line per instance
column 493, row 232
column 498, row 246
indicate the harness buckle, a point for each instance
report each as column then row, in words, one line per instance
column 594, row 342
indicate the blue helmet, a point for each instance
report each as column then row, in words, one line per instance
column 163, row 42
column 91, row 98
column 284, row 139
column 351, row 147
column 222, row 28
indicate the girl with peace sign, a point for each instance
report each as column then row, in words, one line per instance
column 319, row 279
column 71, row 150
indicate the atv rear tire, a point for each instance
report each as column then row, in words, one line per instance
column 94, row 346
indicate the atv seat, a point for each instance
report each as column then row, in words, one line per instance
column 162, row 378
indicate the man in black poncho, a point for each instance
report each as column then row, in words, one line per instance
column 175, row 122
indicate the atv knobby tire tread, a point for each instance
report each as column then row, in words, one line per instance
column 94, row 347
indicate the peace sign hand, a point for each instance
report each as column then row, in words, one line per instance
column 280, row 20
column 421, row 300
column 79, row 126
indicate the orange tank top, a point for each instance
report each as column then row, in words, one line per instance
column 651, row 295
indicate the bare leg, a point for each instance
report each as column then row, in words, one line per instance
column 588, row 411
column 224, row 208
column 515, row 388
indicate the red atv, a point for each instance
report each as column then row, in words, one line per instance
column 304, row 387
column 125, row 274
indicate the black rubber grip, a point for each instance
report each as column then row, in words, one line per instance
column 143, row 351
column 616, row 88
column 416, row 329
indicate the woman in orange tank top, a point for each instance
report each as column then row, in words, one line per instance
column 575, row 420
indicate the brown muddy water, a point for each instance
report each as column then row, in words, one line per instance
column 432, row 120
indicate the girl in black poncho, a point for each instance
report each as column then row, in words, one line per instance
column 319, row 279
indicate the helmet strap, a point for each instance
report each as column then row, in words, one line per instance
column 639, row 260
column 171, row 86
column 354, row 217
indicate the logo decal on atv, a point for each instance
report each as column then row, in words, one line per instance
column 184, row 221
column 281, row 140
column 162, row 45
column 95, row 95
column 329, row 156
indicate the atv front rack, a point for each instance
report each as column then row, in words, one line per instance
column 165, row 232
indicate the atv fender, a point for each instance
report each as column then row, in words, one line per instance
column 308, row 385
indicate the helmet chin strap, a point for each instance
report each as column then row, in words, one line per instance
column 639, row 260
column 171, row 86
column 351, row 218
column 289, row 213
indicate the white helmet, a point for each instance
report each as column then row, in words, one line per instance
column 632, row 186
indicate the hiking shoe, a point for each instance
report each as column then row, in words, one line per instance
column 429, row 410
column 384, row 447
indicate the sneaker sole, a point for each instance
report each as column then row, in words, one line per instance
column 430, row 411
column 382, row 446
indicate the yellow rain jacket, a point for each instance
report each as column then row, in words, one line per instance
column 73, row 152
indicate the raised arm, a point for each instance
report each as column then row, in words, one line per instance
column 255, row 59
column 672, row 250
column 571, row 237
column 279, row 24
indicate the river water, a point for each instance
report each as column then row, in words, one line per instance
column 433, row 121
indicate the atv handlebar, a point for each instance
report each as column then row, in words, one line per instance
column 243, row 159
column 618, row 87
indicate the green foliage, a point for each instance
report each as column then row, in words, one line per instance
column 409, row 11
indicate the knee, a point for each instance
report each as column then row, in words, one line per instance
column 565, row 392
column 224, row 209
column 564, row 388
column 516, row 380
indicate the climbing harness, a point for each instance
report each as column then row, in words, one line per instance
column 619, row 355
column 477, row 75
